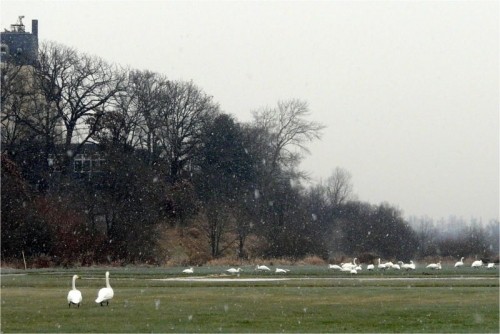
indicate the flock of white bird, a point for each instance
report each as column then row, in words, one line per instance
column 103, row 295
column 238, row 270
column 354, row 268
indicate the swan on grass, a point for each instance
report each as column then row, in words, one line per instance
column 491, row 265
column 262, row 268
column 105, row 294
column 281, row 271
column 233, row 270
column 408, row 266
column 389, row 265
column 334, row 266
column 381, row 266
column 434, row 265
column 74, row 295
column 460, row 263
column 477, row 264
column 188, row 271
column 370, row 267
column 350, row 265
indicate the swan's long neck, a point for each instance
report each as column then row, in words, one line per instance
column 74, row 279
column 107, row 281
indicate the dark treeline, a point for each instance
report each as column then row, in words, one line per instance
column 98, row 161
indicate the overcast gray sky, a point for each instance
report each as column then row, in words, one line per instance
column 408, row 90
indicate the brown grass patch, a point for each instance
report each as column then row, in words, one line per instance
column 312, row 260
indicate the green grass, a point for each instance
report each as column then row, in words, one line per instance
column 315, row 300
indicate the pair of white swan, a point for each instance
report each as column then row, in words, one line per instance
column 104, row 294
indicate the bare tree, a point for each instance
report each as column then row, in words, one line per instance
column 148, row 91
column 287, row 131
column 338, row 187
column 79, row 87
column 25, row 116
column 184, row 112
column 132, row 120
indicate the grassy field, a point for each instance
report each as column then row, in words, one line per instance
column 311, row 299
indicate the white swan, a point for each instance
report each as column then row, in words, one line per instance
column 477, row 264
column 105, row 294
column 74, row 295
column 408, row 266
column 234, row 271
column 381, row 265
column 188, row 271
column 334, row 266
column 262, row 268
column 389, row 264
column 370, row 267
column 396, row 266
column 434, row 265
column 460, row 263
column 281, row 271
column 350, row 265
column 490, row 265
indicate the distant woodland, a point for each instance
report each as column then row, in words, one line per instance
column 103, row 164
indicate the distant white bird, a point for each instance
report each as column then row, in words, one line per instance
column 412, row 265
column 234, row 271
column 389, row 265
column 381, row 266
column 105, row 294
column 460, row 263
column 396, row 266
column 353, row 271
column 350, row 265
column 477, row 264
column 434, row 266
column 490, row 265
column 334, row 266
column 74, row 295
column 408, row 266
column 262, row 268
column 370, row 267
column 282, row 271
column 188, row 271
